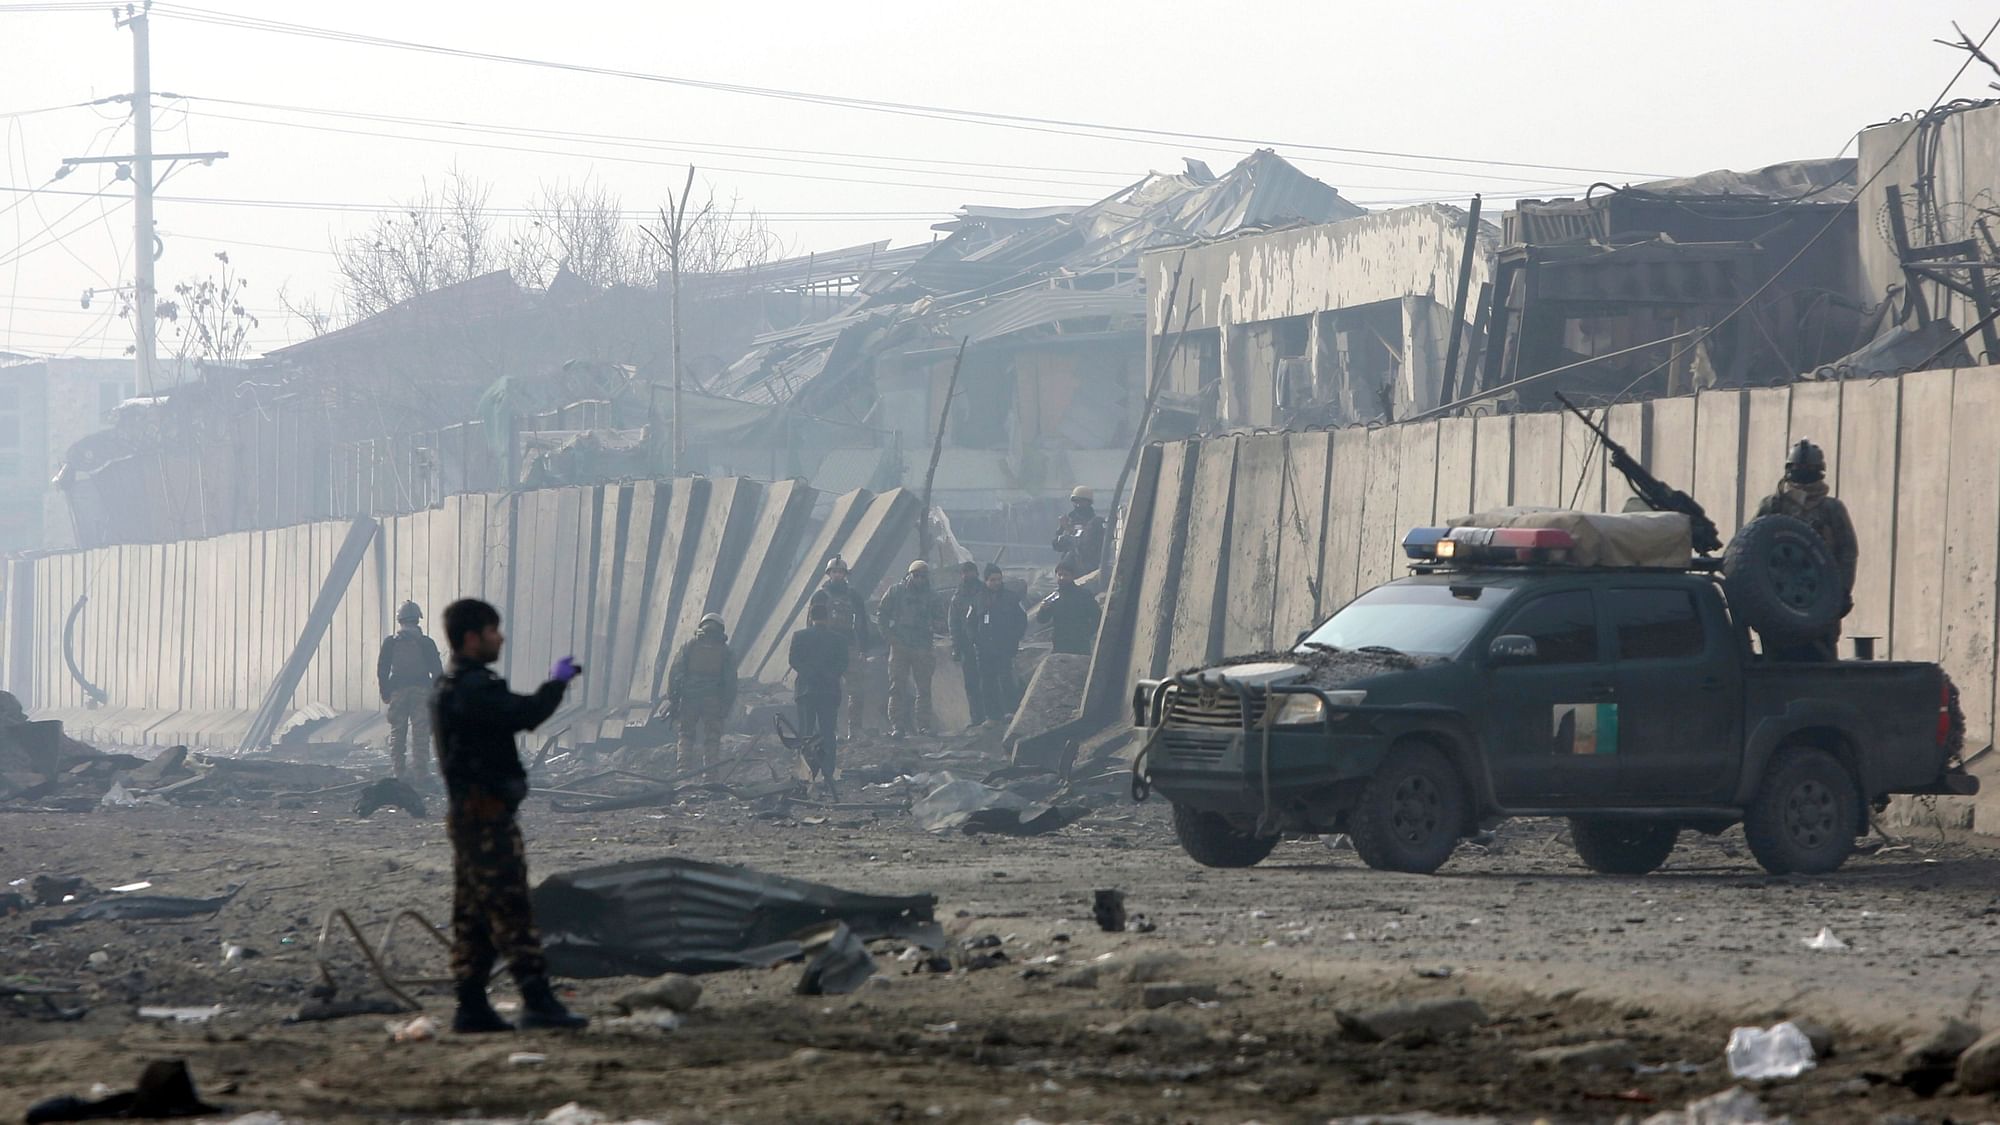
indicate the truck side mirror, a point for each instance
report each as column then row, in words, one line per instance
column 1513, row 648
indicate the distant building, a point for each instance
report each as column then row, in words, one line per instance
column 46, row 404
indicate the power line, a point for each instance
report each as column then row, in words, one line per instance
column 965, row 116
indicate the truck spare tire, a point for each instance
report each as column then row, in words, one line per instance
column 1782, row 580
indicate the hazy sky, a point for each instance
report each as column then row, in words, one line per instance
column 1623, row 91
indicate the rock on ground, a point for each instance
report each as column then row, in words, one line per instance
column 1445, row 1016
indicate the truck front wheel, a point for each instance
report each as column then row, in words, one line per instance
column 1805, row 816
column 1210, row 840
column 1622, row 847
column 1411, row 812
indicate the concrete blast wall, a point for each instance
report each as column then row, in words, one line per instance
column 1243, row 541
column 186, row 640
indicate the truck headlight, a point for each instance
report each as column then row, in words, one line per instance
column 1297, row 709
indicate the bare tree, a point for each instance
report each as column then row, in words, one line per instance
column 207, row 320
column 580, row 226
column 442, row 237
column 318, row 318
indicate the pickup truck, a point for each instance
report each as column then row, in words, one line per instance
column 1627, row 700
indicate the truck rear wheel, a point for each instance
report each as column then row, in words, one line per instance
column 1622, row 847
column 1210, row 840
column 1411, row 812
column 1781, row 579
column 1806, row 814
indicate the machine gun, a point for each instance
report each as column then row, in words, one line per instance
column 1651, row 489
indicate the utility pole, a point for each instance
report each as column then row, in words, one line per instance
column 139, row 166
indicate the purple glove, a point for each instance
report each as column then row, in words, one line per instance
column 565, row 670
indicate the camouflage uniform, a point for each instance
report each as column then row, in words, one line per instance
column 1815, row 506
column 404, row 671
column 701, row 686
column 476, row 718
column 847, row 614
column 911, row 615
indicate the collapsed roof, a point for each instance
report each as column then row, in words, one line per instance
column 1005, row 271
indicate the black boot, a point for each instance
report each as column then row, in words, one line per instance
column 475, row 1013
column 541, row 1011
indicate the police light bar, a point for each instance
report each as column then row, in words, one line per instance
column 1489, row 544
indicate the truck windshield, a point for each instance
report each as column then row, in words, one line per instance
column 1417, row 619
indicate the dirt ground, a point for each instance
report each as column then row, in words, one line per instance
column 1668, row 962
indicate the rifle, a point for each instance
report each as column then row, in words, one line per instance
column 1651, row 489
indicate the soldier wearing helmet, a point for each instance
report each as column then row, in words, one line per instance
column 847, row 615
column 1803, row 495
column 912, row 614
column 701, row 688
column 1080, row 532
column 404, row 671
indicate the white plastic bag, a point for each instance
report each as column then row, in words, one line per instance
column 1781, row 1052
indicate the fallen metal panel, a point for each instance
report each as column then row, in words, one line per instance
column 1346, row 499
column 770, row 557
column 1301, row 592
column 1455, row 467
column 1870, row 418
column 771, row 642
column 1492, row 462
column 1380, row 509
column 1972, row 548
column 1718, row 457
column 1538, row 461
column 1155, row 604
column 649, row 917
column 271, row 711
column 1250, row 588
column 1767, row 426
column 1816, row 418
column 1923, row 463
column 1197, row 630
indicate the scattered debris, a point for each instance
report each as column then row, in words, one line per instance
column 840, row 962
column 182, row 1015
column 390, row 792
column 1606, row 1054
column 135, row 908
column 165, row 1090
column 334, row 1008
column 1782, row 1051
column 55, row 890
column 673, row 992
column 526, row 1058
column 1108, row 907
column 423, row 1029
column 958, row 802
column 648, row 917
column 1734, row 1106
column 1825, row 942
column 1445, row 1016
column 1175, row 992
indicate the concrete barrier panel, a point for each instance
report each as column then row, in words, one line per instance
column 686, row 504
column 770, row 556
column 1718, row 456
column 613, row 523
column 1250, row 590
column 1106, row 684
column 1492, row 463
column 1538, row 479
column 1380, row 509
column 1455, row 467
column 765, row 656
column 1670, row 441
column 1416, row 489
column 1582, row 473
column 1922, row 507
column 1302, row 535
column 717, row 556
column 1346, row 504
column 1158, row 596
column 1626, row 422
column 562, row 535
column 1767, row 430
column 1816, row 418
column 1972, row 548
column 1870, row 419
column 1197, row 630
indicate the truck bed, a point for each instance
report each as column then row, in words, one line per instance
column 1891, row 708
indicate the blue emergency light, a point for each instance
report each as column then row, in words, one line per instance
column 1421, row 542
column 1488, row 544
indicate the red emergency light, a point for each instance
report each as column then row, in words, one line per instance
column 1506, row 545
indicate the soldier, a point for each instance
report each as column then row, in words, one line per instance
column 1080, row 532
column 1803, row 495
column 911, row 614
column 997, row 624
column 847, row 614
column 1071, row 612
column 819, row 659
column 701, row 688
column 961, row 638
column 404, row 671
column 476, row 718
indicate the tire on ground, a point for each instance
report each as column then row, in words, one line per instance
column 1782, row 580
column 1805, row 815
column 1622, row 847
column 1210, row 840
column 1411, row 813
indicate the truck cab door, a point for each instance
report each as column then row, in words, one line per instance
column 1680, row 683
column 1552, row 718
